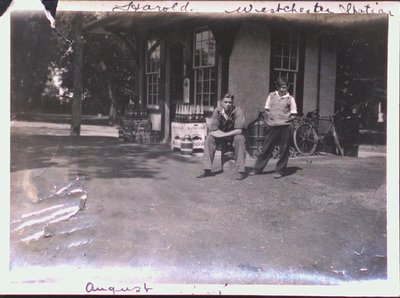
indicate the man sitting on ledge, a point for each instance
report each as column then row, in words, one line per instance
column 226, row 129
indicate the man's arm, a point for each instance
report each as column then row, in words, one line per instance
column 221, row 134
column 267, row 103
column 293, row 106
column 214, row 121
column 293, row 109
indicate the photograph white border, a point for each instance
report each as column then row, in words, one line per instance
column 74, row 284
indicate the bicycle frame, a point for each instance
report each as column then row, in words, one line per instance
column 313, row 118
column 330, row 127
column 317, row 127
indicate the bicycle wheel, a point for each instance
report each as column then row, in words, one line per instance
column 305, row 138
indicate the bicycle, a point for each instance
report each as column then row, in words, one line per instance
column 306, row 136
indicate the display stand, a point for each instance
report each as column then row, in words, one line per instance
column 135, row 126
column 197, row 132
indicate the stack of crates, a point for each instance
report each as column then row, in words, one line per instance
column 137, row 130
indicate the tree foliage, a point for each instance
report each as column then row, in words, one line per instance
column 110, row 65
column 31, row 54
column 361, row 72
column 42, row 64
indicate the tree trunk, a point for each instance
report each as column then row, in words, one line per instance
column 112, row 115
column 77, row 79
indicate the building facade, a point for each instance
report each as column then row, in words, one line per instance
column 196, row 59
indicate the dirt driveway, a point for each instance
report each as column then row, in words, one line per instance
column 93, row 202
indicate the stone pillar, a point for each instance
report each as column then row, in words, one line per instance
column 310, row 93
column 249, row 69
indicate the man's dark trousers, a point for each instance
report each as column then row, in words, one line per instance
column 275, row 135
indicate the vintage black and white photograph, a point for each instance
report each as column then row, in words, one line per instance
column 151, row 144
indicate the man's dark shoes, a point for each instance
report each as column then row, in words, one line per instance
column 255, row 172
column 206, row 173
column 240, row 176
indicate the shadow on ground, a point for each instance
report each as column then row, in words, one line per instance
column 94, row 156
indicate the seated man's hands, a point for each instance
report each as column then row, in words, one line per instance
column 220, row 134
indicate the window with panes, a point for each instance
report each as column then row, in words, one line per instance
column 153, row 72
column 204, row 65
column 285, row 60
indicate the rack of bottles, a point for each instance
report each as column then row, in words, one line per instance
column 137, row 112
column 188, row 113
column 189, row 122
column 135, row 125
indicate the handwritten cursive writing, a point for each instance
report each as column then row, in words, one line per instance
column 317, row 7
column 260, row 7
column 135, row 7
column 356, row 8
column 281, row 8
column 90, row 287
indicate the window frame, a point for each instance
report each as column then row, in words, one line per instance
column 282, row 55
column 200, row 69
column 152, row 72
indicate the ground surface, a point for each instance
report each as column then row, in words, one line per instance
column 324, row 223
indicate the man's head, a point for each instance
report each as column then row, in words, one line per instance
column 227, row 102
column 282, row 86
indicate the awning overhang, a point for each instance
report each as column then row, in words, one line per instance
column 145, row 22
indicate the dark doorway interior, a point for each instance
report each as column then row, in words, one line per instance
column 176, row 77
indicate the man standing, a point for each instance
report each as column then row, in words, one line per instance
column 281, row 110
column 226, row 129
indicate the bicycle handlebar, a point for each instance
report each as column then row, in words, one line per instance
column 315, row 113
